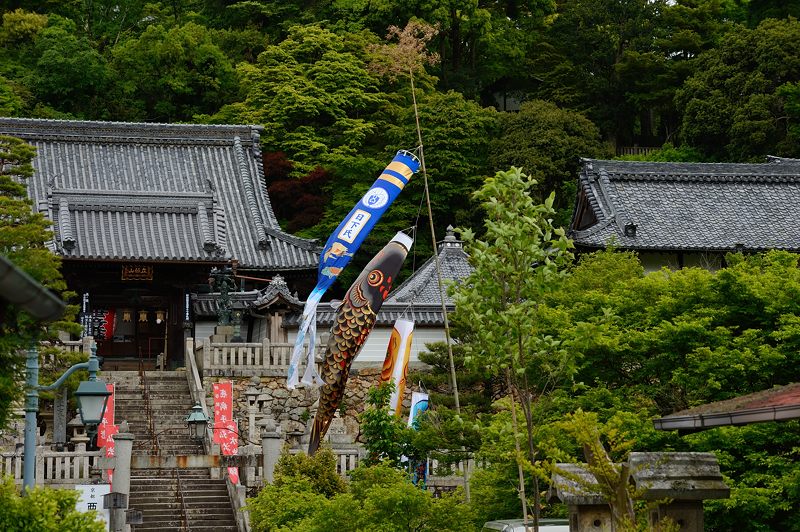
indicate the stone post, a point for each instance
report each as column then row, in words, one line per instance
column 123, row 447
column 271, row 444
column 60, row 419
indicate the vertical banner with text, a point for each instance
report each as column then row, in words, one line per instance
column 226, row 432
column 107, row 430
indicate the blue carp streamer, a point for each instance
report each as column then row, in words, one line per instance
column 340, row 248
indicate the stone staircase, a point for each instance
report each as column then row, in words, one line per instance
column 154, row 492
column 169, row 402
column 203, row 503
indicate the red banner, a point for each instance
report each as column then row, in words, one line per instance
column 223, row 406
column 226, row 432
column 107, row 430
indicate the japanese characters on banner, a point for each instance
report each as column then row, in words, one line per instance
column 395, row 365
column 226, row 432
column 107, row 429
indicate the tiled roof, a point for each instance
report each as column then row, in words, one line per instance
column 691, row 206
column 418, row 297
column 422, row 288
column 171, row 192
column 776, row 404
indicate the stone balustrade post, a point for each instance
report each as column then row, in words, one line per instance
column 271, row 444
column 123, row 447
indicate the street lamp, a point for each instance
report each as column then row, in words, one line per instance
column 92, row 398
column 197, row 422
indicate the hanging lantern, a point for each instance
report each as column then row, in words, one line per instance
column 142, row 315
column 159, row 316
column 126, row 315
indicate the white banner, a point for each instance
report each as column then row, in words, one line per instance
column 395, row 365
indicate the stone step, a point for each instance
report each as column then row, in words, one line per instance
column 164, row 472
column 148, row 485
column 205, row 501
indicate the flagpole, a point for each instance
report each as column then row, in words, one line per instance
column 453, row 380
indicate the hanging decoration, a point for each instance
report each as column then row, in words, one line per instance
column 419, row 468
column 354, row 320
column 340, row 248
column 395, row 365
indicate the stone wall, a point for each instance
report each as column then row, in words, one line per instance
column 256, row 397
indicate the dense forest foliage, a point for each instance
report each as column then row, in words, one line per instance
column 529, row 83
column 715, row 79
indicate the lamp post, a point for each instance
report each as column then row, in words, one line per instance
column 92, row 397
column 197, row 422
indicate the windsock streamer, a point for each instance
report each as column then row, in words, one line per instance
column 340, row 248
column 419, row 468
column 355, row 318
column 395, row 365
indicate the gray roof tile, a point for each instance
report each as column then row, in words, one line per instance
column 692, row 206
column 175, row 192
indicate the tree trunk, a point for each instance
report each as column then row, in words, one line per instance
column 517, row 449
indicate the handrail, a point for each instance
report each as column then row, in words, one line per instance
column 197, row 391
column 184, row 513
column 151, row 429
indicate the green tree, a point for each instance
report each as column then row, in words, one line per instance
column 520, row 258
column 44, row 510
column 386, row 437
column 313, row 94
column 544, row 140
column 380, row 497
column 70, row 75
column 734, row 106
column 593, row 42
column 170, row 74
column 24, row 235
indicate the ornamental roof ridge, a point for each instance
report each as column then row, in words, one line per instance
column 88, row 130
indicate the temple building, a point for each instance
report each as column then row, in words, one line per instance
column 687, row 214
column 142, row 213
column 274, row 312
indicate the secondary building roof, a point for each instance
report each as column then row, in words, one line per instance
column 418, row 298
column 777, row 404
column 157, row 192
column 688, row 206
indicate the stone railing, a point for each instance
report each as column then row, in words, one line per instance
column 66, row 468
column 636, row 150
column 73, row 346
column 244, row 359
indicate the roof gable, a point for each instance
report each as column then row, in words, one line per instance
column 174, row 192
column 689, row 206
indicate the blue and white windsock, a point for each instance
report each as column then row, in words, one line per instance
column 340, row 248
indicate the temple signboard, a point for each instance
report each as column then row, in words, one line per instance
column 137, row 272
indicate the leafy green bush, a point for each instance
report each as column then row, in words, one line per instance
column 43, row 510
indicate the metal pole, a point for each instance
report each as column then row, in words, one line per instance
column 31, row 409
column 32, row 403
